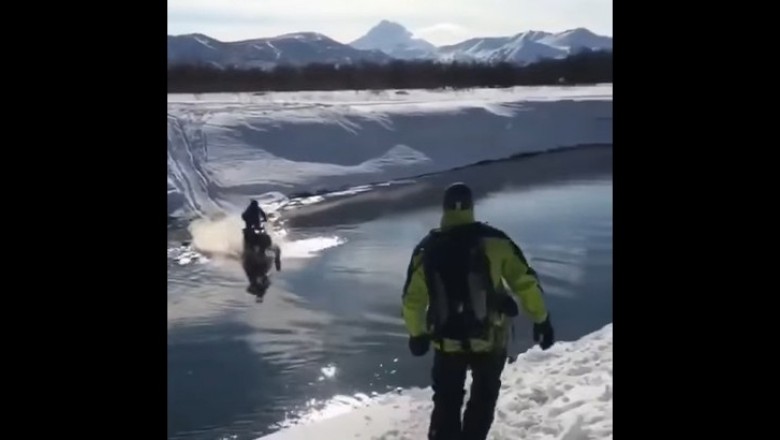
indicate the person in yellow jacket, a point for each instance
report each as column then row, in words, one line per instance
column 463, row 285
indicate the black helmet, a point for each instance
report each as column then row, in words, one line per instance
column 458, row 197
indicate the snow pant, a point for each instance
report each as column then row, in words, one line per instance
column 449, row 378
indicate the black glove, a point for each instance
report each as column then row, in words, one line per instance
column 543, row 333
column 508, row 306
column 419, row 345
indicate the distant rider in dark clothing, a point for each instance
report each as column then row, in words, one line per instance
column 253, row 215
column 256, row 242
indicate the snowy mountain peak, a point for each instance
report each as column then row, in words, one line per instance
column 394, row 40
column 197, row 36
column 531, row 36
column 298, row 48
column 310, row 36
column 579, row 33
column 578, row 38
column 390, row 30
column 384, row 42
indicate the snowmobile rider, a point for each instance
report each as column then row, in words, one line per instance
column 253, row 215
column 256, row 242
column 454, row 299
column 256, row 238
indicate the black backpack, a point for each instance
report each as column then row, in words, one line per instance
column 461, row 294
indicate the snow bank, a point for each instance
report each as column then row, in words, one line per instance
column 223, row 148
column 564, row 393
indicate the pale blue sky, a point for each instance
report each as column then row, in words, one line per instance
column 438, row 21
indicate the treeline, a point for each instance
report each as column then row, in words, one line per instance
column 582, row 68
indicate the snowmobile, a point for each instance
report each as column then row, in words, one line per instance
column 256, row 260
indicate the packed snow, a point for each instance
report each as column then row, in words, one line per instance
column 564, row 393
column 224, row 148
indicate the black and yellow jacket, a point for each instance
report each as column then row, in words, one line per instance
column 507, row 264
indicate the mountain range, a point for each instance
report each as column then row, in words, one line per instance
column 384, row 42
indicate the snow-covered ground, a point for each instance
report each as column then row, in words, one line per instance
column 564, row 393
column 223, row 148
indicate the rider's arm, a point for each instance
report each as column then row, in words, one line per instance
column 522, row 280
column 277, row 257
column 415, row 295
column 515, row 270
